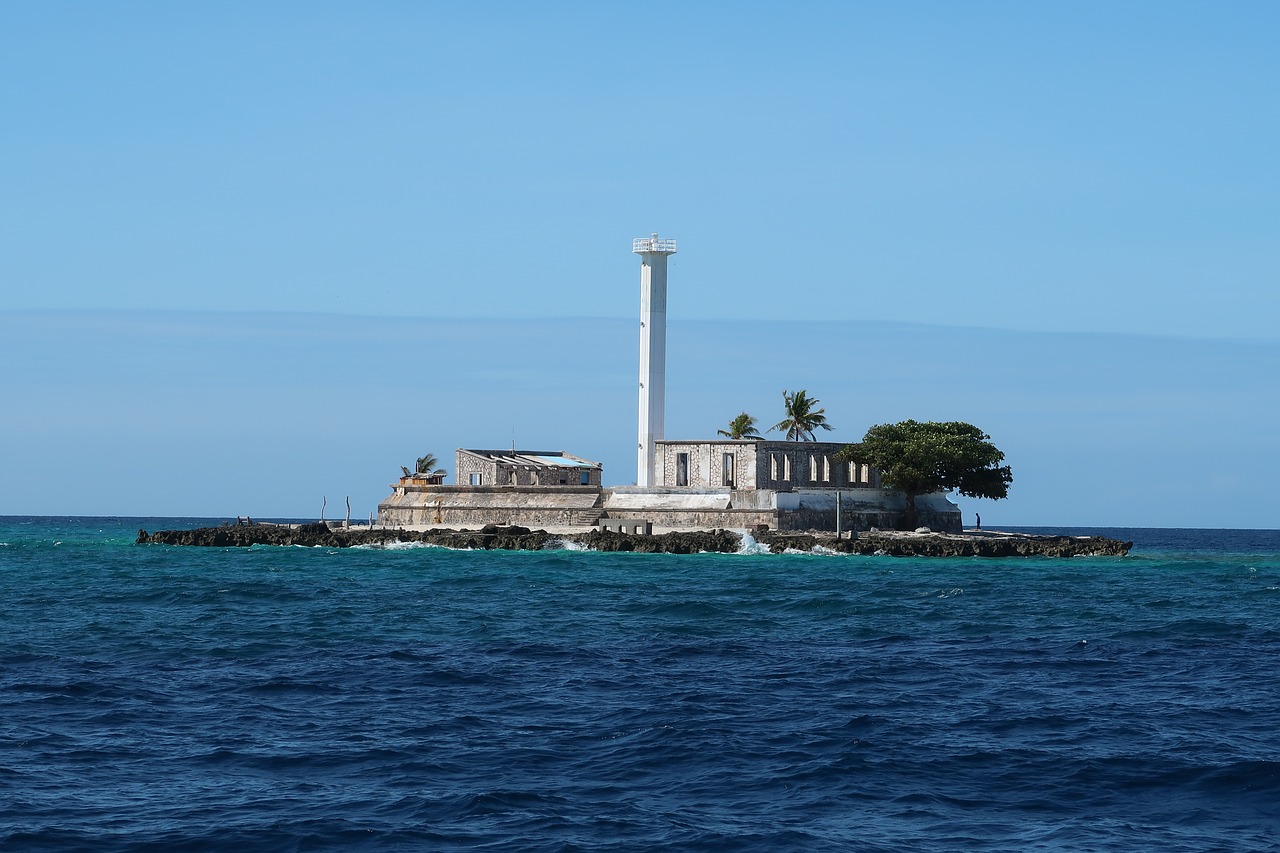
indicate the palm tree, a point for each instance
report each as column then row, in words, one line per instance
column 743, row 426
column 426, row 464
column 802, row 418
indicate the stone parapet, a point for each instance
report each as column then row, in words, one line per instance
column 558, row 506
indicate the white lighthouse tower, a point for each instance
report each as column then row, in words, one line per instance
column 653, row 254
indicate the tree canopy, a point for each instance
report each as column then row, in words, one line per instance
column 922, row 458
column 743, row 426
column 802, row 417
column 426, row 464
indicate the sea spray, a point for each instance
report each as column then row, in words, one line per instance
column 567, row 545
column 751, row 546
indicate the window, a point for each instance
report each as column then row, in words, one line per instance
column 586, row 478
column 786, row 467
column 813, row 468
column 826, row 469
column 682, row 469
column 475, row 479
column 726, row 470
column 773, row 466
column 853, row 472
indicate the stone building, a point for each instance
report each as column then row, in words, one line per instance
column 527, row 487
column 783, row 485
column 524, row 468
column 746, row 464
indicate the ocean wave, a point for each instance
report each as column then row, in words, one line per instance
column 566, row 545
column 310, row 699
column 396, row 545
column 751, row 546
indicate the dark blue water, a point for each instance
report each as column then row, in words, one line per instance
column 154, row 698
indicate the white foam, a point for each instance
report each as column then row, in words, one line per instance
column 751, row 546
column 566, row 545
column 398, row 546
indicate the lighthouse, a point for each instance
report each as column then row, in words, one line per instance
column 653, row 253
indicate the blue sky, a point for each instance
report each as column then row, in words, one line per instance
column 302, row 241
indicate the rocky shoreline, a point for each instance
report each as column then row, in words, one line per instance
column 514, row 538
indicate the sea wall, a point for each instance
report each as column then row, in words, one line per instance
column 677, row 508
column 806, row 509
column 476, row 506
column 863, row 509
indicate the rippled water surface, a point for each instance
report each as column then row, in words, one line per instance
column 154, row 697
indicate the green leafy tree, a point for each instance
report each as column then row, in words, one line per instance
column 426, row 464
column 743, row 426
column 922, row 458
column 803, row 417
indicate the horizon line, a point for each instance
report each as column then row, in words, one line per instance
column 551, row 318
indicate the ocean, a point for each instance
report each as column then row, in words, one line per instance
column 156, row 697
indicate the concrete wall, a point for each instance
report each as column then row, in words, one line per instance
column 564, row 506
column 863, row 509
column 779, row 465
column 706, row 468
column 805, row 509
column 787, row 465
column 476, row 506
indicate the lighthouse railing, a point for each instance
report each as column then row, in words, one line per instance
column 653, row 244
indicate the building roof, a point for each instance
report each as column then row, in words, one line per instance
column 771, row 443
column 563, row 461
column 533, row 458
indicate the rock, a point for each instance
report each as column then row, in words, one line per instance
column 1008, row 545
column 922, row 543
column 680, row 542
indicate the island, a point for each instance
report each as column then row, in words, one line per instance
column 922, row 543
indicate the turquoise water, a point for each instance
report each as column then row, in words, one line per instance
column 154, row 697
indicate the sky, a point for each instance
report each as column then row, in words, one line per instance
column 256, row 254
